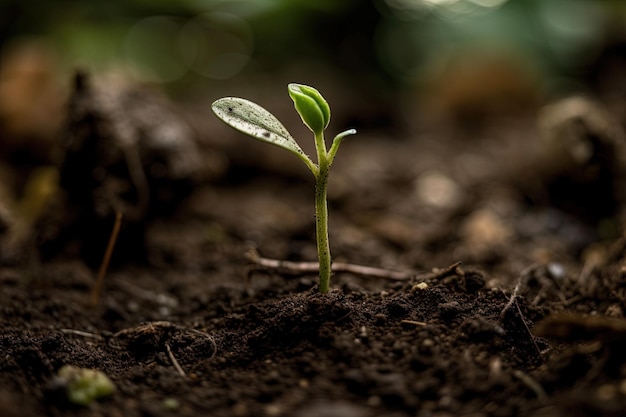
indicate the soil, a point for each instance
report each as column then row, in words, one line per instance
column 530, row 323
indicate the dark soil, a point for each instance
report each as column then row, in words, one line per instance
column 183, row 316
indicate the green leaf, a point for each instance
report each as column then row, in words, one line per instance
column 337, row 141
column 253, row 120
column 313, row 109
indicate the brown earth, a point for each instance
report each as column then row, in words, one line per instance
column 184, row 316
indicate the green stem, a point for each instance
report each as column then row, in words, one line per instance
column 321, row 214
column 336, row 142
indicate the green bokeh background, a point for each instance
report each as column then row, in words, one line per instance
column 381, row 44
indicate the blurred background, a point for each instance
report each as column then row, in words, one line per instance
column 455, row 55
column 394, row 69
column 385, row 65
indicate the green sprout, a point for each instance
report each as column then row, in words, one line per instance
column 253, row 120
column 85, row 385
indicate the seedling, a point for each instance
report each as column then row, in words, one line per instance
column 83, row 385
column 255, row 121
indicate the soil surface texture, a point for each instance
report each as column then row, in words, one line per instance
column 496, row 287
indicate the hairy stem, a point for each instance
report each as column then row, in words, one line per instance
column 321, row 214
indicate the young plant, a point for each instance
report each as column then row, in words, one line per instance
column 255, row 121
column 84, row 385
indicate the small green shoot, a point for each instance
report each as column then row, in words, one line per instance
column 85, row 385
column 253, row 120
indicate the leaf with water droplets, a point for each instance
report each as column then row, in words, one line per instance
column 253, row 120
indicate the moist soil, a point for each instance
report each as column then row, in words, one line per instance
column 511, row 302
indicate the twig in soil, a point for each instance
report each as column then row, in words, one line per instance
column 513, row 296
column 532, row 384
column 83, row 334
column 95, row 290
column 525, row 272
column 440, row 273
column 174, row 361
column 532, row 337
column 413, row 322
column 513, row 301
column 301, row 268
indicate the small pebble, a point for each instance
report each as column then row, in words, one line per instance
column 171, row 404
column 555, row 270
